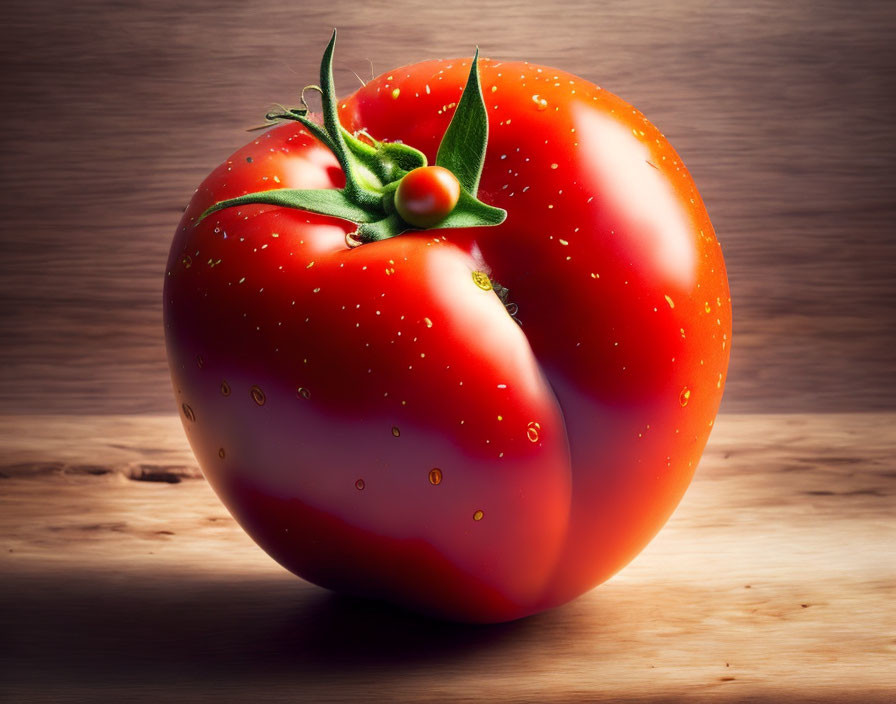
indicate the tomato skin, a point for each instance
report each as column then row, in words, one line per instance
column 352, row 373
column 426, row 196
column 604, row 223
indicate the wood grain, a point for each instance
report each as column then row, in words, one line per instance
column 115, row 111
column 124, row 579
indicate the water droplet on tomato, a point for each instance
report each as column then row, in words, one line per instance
column 435, row 476
column 395, row 431
column 221, row 453
column 540, row 103
column 200, row 361
column 225, row 388
column 532, row 431
column 188, row 412
column 359, row 485
column 684, row 396
column 187, row 261
column 302, row 392
column 477, row 515
column 257, row 395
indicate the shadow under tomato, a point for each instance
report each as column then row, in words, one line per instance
column 127, row 629
column 339, row 631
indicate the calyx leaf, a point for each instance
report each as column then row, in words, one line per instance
column 325, row 201
column 462, row 150
column 470, row 212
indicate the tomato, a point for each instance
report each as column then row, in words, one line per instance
column 478, row 423
column 426, row 195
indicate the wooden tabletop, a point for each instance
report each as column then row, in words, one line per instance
column 124, row 579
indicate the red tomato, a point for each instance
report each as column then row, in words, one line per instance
column 426, row 195
column 375, row 417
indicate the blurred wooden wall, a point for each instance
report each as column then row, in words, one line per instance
column 113, row 113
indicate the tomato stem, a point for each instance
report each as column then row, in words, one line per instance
column 374, row 169
column 354, row 187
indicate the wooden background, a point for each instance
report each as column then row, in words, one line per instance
column 114, row 112
column 122, row 576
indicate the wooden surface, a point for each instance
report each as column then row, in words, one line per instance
column 775, row 580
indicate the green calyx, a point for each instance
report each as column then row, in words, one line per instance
column 374, row 169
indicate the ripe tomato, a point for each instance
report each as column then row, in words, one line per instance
column 382, row 423
column 427, row 195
